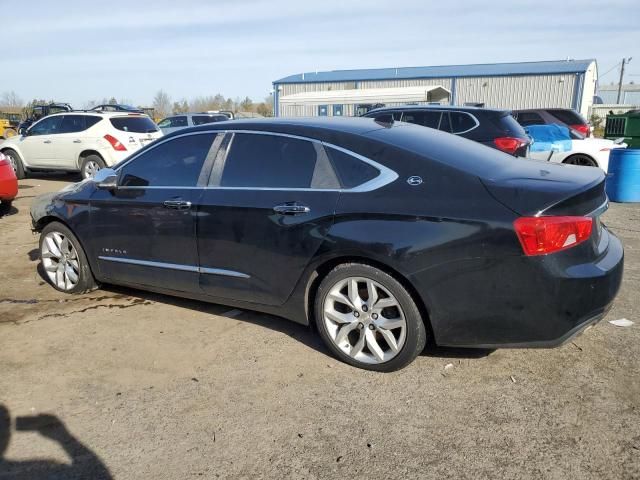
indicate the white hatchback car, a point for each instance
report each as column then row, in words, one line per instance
column 81, row 142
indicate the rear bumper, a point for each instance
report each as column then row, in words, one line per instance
column 520, row 302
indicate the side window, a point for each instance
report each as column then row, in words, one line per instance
column 202, row 119
column 461, row 122
column 72, row 124
column 47, row 126
column 180, row 121
column 175, row 163
column 413, row 117
column 445, row 123
column 274, row 161
column 351, row 171
column 431, row 119
column 529, row 118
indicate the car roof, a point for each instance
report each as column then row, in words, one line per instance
column 348, row 125
column 438, row 107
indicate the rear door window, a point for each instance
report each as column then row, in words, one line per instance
column 173, row 163
column 461, row 122
column 274, row 161
column 134, row 124
column 72, row 124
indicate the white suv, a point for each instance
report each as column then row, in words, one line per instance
column 81, row 142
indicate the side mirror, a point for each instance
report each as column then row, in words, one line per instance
column 106, row 179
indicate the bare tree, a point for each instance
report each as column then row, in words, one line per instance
column 11, row 100
column 162, row 103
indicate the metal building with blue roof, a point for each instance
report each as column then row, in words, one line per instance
column 546, row 84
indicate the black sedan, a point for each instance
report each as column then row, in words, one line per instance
column 383, row 235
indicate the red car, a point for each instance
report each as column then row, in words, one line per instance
column 8, row 181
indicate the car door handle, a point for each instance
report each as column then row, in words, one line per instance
column 47, row 141
column 77, row 141
column 177, row 204
column 291, row 209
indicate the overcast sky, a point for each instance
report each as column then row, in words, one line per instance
column 77, row 51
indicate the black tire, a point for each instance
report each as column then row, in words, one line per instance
column 91, row 160
column 416, row 333
column 86, row 281
column 16, row 161
column 580, row 159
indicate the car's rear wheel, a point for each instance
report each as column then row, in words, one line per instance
column 90, row 165
column 16, row 163
column 368, row 319
column 584, row 160
column 64, row 260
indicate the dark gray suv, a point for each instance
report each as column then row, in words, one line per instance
column 491, row 127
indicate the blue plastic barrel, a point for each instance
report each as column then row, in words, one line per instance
column 623, row 177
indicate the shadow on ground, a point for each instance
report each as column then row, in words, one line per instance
column 84, row 462
column 307, row 335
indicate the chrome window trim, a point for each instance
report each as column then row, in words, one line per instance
column 385, row 177
column 175, row 266
column 474, row 118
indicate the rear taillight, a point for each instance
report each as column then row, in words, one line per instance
column 509, row 144
column 583, row 129
column 115, row 143
column 542, row 235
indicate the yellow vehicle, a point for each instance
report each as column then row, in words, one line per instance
column 9, row 124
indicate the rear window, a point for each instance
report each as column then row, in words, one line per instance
column 529, row 118
column 568, row 116
column 134, row 124
column 202, row 119
column 508, row 125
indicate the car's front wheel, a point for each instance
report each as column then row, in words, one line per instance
column 64, row 260
column 368, row 319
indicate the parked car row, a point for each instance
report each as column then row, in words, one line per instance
column 383, row 234
column 509, row 131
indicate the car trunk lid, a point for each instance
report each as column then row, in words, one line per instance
column 533, row 188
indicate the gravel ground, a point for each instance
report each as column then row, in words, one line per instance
column 137, row 385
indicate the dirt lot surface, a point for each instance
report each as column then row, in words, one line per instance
column 139, row 385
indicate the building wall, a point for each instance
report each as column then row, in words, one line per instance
column 509, row 92
column 535, row 91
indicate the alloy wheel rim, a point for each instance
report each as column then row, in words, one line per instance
column 90, row 169
column 364, row 320
column 60, row 260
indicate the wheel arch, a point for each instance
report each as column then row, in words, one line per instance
column 582, row 154
column 322, row 270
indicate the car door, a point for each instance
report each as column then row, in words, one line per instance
column 144, row 231
column 37, row 147
column 269, row 207
column 69, row 142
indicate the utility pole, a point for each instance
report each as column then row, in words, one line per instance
column 624, row 61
